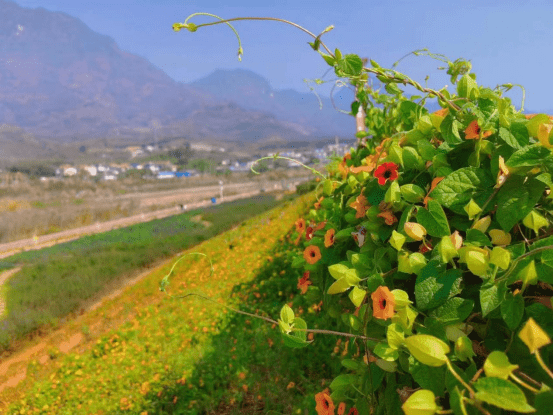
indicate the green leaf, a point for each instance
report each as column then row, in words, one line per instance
column 477, row 238
column 351, row 364
column 385, row 352
column 343, row 381
column 287, row 314
column 297, row 339
column 516, row 199
column 395, row 336
column 434, row 219
column 512, row 310
column 491, row 296
column 422, row 402
column 544, row 402
column 528, row 156
column 533, row 124
column 357, row 295
column 454, row 310
column 432, row 378
column 467, row 87
column 517, row 137
column 428, row 350
column 350, row 65
column 341, row 271
column 450, row 130
column 503, row 394
column 497, row 365
column 462, row 185
column 339, row 286
column 434, row 285
column 327, row 187
column 412, row 193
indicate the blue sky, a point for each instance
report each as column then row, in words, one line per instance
column 506, row 41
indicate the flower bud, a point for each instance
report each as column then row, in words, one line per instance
column 477, row 263
column 500, row 237
column 414, row 230
column 447, row 250
column 482, row 224
column 463, row 348
column 403, row 264
column 472, row 209
column 528, row 275
column 457, row 240
column 535, row 221
column 397, row 240
column 422, row 402
column 500, row 257
column 533, row 336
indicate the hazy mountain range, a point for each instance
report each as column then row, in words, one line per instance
column 61, row 81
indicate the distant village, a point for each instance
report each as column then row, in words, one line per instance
column 167, row 170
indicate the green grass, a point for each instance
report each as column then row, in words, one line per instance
column 175, row 356
column 55, row 281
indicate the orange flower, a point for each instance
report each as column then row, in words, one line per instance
column 388, row 216
column 341, row 408
column 309, row 233
column 441, row 113
column 432, row 186
column 325, row 406
column 361, row 205
column 312, row 254
column 383, row 303
column 329, row 238
column 319, row 226
column 317, row 204
column 473, row 131
column 304, row 282
column 300, row 225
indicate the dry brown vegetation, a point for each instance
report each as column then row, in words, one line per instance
column 31, row 207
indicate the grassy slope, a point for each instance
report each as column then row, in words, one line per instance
column 161, row 355
column 81, row 269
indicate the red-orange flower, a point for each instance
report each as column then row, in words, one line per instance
column 320, row 226
column 304, row 282
column 300, row 225
column 383, row 303
column 388, row 216
column 329, row 238
column 309, row 233
column 473, row 131
column 385, row 172
column 312, row 254
column 317, row 204
column 425, row 247
column 341, row 408
column 361, row 205
column 353, row 411
column 325, row 406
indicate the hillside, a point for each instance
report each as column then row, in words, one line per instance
column 61, row 81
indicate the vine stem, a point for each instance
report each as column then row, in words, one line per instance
column 524, row 384
column 270, row 320
column 459, row 378
column 314, row 171
column 276, row 19
column 542, row 364
column 516, row 261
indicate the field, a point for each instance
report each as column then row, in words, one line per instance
column 30, row 207
column 144, row 352
column 84, row 270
